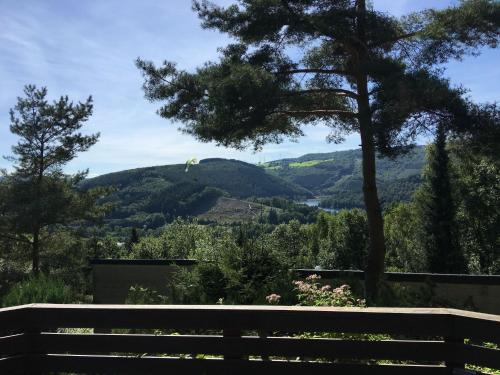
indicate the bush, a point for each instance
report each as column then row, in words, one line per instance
column 311, row 293
column 139, row 295
column 38, row 289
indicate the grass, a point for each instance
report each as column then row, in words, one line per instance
column 309, row 163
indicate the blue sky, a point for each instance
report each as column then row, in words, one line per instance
column 88, row 47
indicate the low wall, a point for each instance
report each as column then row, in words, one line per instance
column 476, row 292
column 112, row 278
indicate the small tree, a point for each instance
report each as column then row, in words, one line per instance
column 336, row 62
column 438, row 211
column 133, row 239
column 38, row 194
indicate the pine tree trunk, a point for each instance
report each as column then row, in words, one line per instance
column 374, row 271
column 375, row 263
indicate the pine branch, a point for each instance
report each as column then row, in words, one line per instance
column 396, row 39
column 316, row 71
column 319, row 112
column 338, row 92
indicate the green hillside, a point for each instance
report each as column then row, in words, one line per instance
column 150, row 197
column 337, row 176
column 155, row 195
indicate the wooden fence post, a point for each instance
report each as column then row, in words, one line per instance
column 457, row 365
column 231, row 332
column 34, row 361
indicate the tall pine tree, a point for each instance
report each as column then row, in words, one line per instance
column 438, row 209
column 339, row 63
column 38, row 194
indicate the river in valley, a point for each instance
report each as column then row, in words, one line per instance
column 314, row 202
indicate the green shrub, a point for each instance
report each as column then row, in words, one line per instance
column 38, row 289
column 138, row 295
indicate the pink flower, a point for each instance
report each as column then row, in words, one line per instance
column 273, row 299
column 326, row 288
column 313, row 278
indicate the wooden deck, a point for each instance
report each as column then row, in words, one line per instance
column 43, row 338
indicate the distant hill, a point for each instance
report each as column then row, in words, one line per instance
column 150, row 197
column 154, row 195
column 337, row 176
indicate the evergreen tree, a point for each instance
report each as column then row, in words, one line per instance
column 336, row 62
column 438, row 210
column 272, row 217
column 476, row 162
column 38, row 194
column 133, row 239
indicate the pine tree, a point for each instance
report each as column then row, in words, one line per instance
column 272, row 217
column 438, row 209
column 133, row 239
column 335, row 62
column 38, row 194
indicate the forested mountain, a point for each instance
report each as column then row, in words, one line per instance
column 155, row 195
column 337, row 176
column 150, row 197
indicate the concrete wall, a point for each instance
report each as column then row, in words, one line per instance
column 473, row 292
column 112, row 279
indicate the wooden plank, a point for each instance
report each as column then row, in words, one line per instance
column 418, row 322
column 14, row 318
column 18, row 365
column 484, row 327
column 480, row 356
column 155, row 365
column 234, row 347
column 14, row 345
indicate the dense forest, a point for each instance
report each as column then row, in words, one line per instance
column 151, row 197
column 337, row 177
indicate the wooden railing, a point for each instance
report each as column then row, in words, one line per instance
column 42, row 338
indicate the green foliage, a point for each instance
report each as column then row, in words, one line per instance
column 288, row 210
column 345, row 244
column 404, row 232
column 478, row 207
column 213, row 282
column 289, row 244
column 268, row 92
column 38, row 289
column 437, row 205
column 178, row 240
column 139, row 295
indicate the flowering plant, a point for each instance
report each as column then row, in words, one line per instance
column 311, row 293
column 273, row 299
